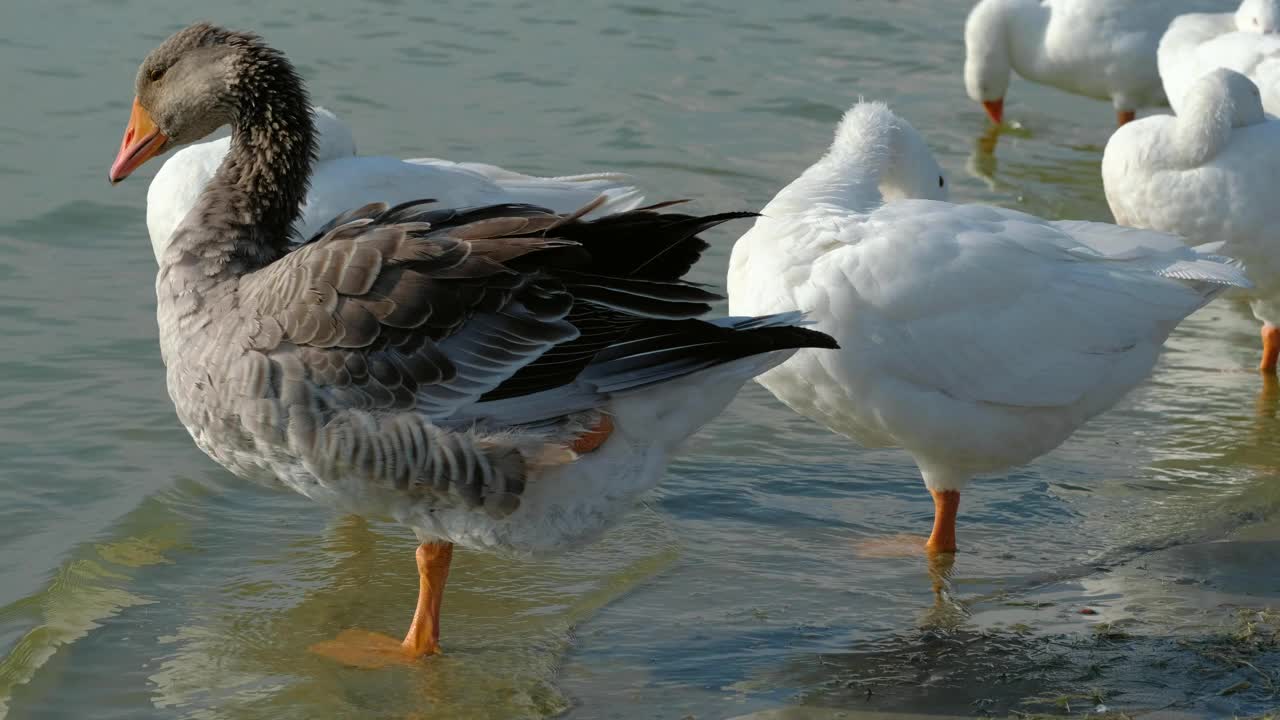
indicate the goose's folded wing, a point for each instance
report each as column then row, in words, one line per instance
column 402, row 345
column 386, row 312
column 995, row 306
column 414, row 307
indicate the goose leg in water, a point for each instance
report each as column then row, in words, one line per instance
column 945, row 505
column 1270, row 348
column 1125, row 116
column 942, row 540
column 361, row 648
column 365, row 649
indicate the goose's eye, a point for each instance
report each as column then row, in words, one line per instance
column 155, row 74
column 941, row 182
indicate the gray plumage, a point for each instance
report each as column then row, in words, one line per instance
column 407, row 356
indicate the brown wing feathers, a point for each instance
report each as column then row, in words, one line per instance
column 433, row 308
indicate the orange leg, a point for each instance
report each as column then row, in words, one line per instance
column 593, row 438
column 945, row 505
column 1270, row 348
column 995, row 110
column 943, row 539
column 423, row 637
column 1125, row 116
column 369, row 650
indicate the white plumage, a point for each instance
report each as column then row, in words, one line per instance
column 1209, row 174
column 1100, row 49
column 343, row 180
column 1245, row 41
column 977, row 338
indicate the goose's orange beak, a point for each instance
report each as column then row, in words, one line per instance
column 995, row 110
column 142, row 140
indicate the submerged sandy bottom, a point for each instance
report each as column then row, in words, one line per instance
column 140, row 581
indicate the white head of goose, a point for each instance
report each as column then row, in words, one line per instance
column 504, row 378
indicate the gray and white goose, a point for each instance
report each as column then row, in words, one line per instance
column 504, row 378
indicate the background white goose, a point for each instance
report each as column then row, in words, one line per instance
column 1211, row 173
column 977, row 338
column 342, row 181
column 1247, row 41
column 504, row 378
column 1101, row 49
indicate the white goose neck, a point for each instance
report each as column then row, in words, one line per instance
column 1001, row 36
column 1258, row 16
column 1217, row 103
column 875, row 157
column 847, row 178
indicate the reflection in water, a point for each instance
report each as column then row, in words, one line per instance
column 133, row 593
column 947, row 612
column 508, row 625
column 981, row 163
column 1268, row 398
column 96, row 584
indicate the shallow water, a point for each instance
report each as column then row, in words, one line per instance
column 140, row 580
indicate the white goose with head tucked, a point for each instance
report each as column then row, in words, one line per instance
column 1208, row 174
column 1247, row 41
column 976, row 338
column 342, row 181
column 1101, row 49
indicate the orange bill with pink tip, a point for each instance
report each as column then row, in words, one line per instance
column 142, row 140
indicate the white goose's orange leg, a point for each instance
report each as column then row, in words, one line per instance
column 945, row 505
column 361, row 648
column 1125, row 116
column 1270, row 348
column 942, row 540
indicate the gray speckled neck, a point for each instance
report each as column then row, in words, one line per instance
column 243, row 219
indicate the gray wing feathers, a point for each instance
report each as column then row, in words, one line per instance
column 1159, row 253
column 406, row 452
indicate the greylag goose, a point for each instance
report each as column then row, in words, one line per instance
column 504, row 378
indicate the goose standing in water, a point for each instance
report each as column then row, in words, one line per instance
column 976, row 338
column 1210, row 173
column 1102, row 49
column 1247, row 41
column 504, row 378
column 340, row 180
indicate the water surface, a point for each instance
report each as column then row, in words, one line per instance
column 142, row 581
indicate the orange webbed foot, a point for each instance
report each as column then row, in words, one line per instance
column 901, row 545
column 370, row 650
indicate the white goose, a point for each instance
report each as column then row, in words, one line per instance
column 343, row 181
column 1247, row 41
column 976, row 338
column 1101, row 49
column 1208, row 174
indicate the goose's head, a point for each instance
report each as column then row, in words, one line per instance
column 1258, row 16
column 987, row 63
column 1224, row 97
column 871, row 136
column 201, row 78
column 912, row 171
